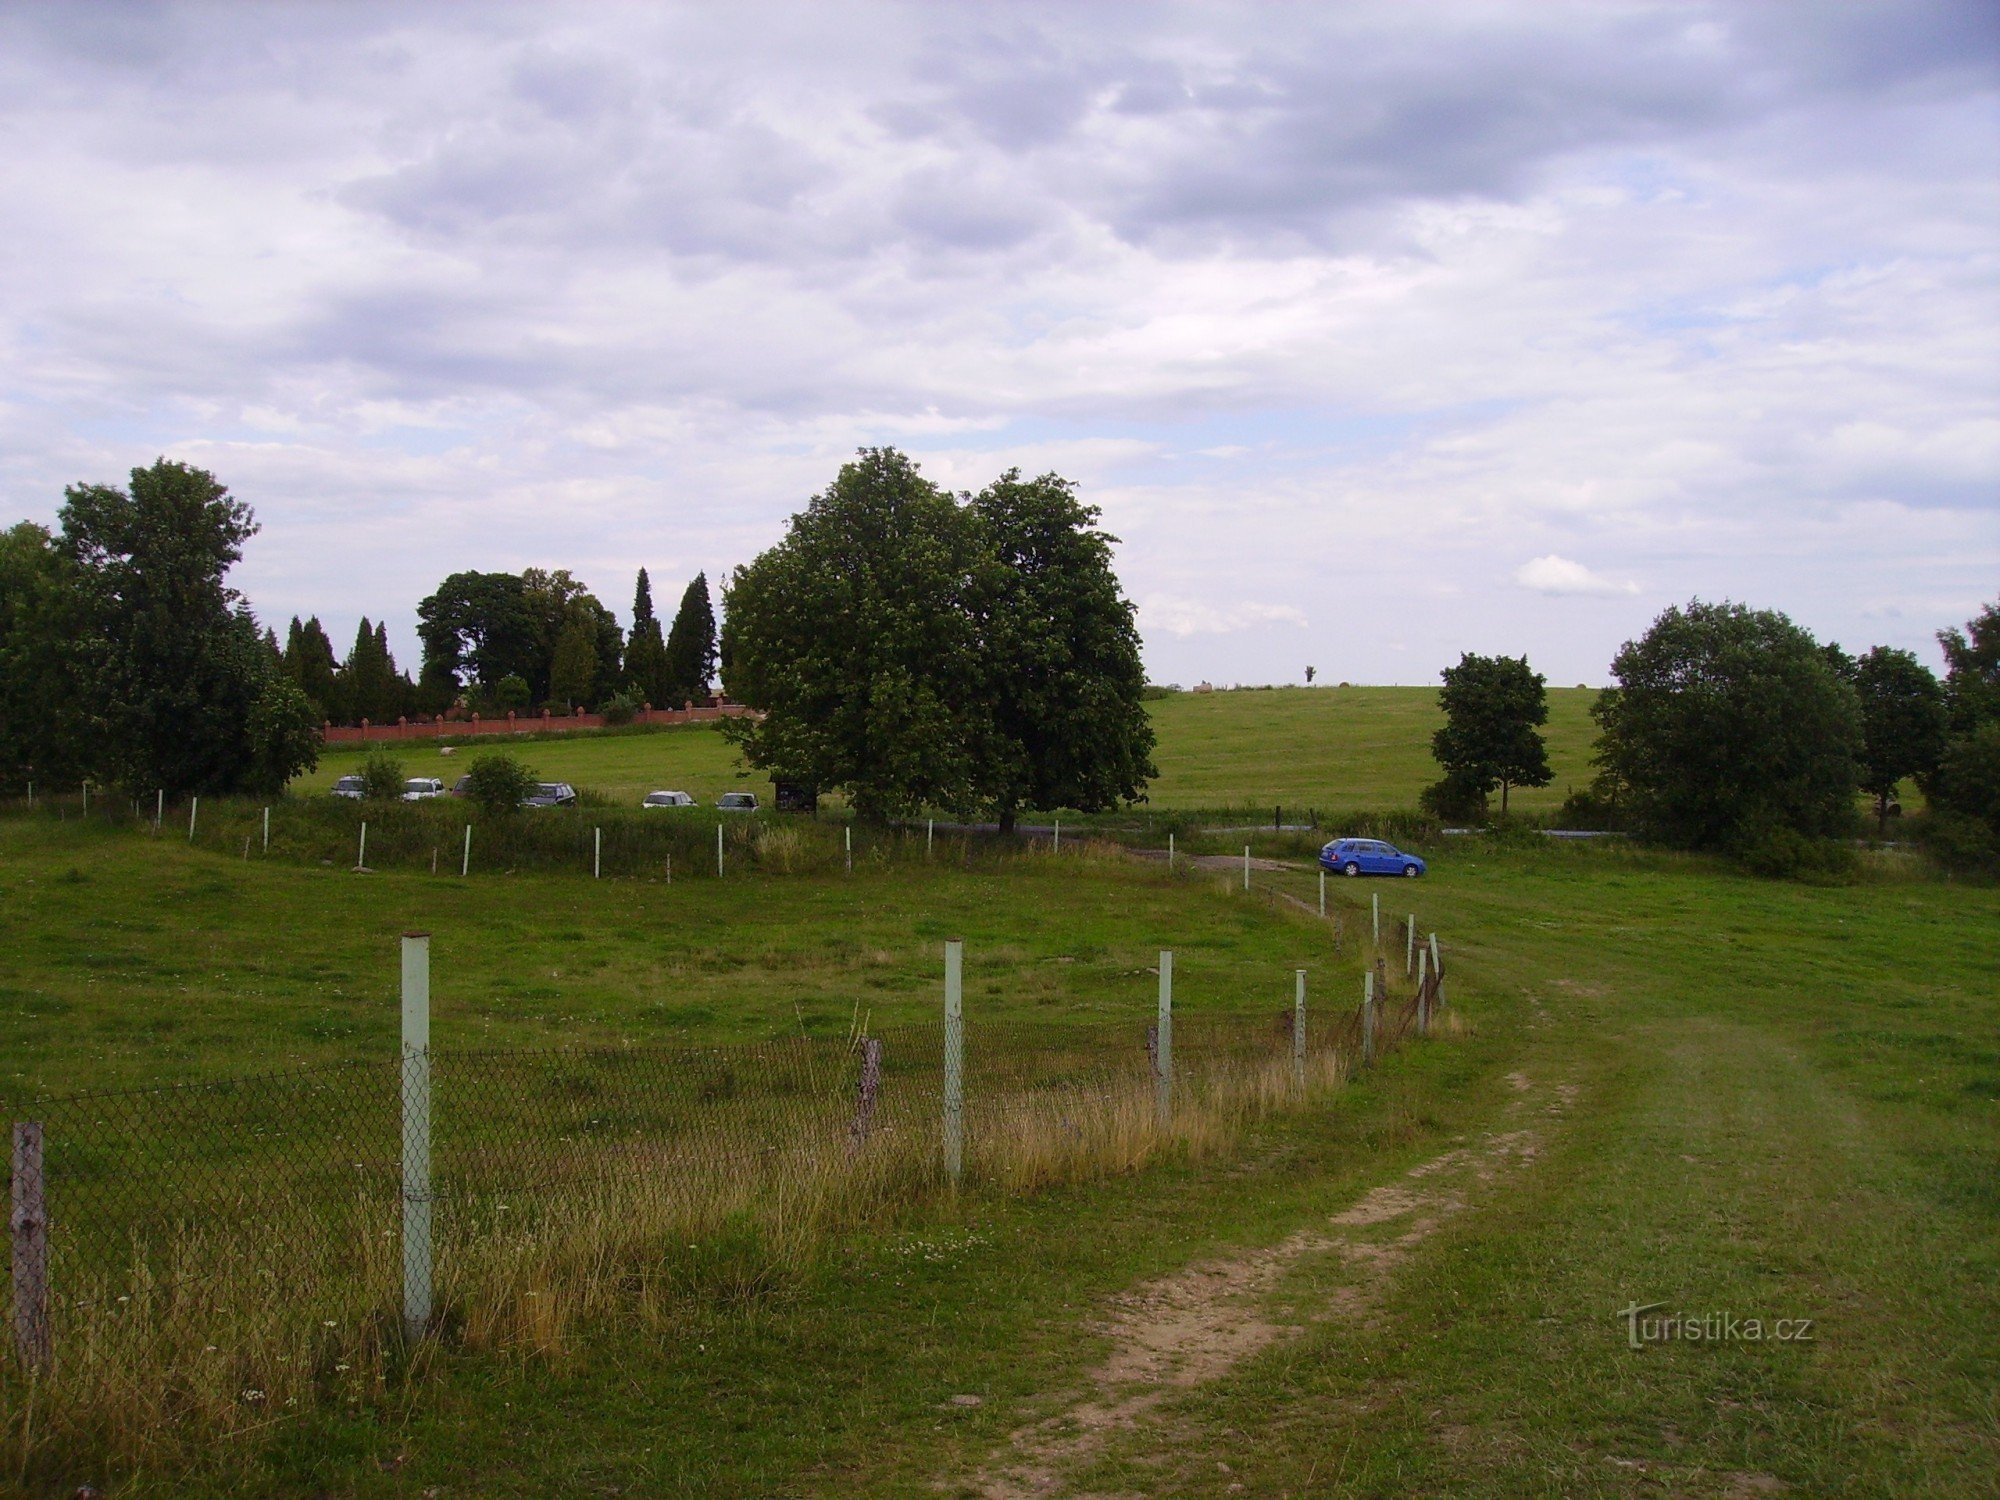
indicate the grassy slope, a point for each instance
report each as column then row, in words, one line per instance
column 1330, row 748
column 134, row 959
column 1786, row 1107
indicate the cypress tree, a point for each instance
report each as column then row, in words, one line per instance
column 691, row 644
column 646, row 653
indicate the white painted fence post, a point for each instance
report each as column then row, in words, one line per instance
column 465, row 860
column 267, row 830
column 1375, row 903
column 954, row 1059
column 194, row 806
column 1299, row 1027
column 930, row 835
column 159, row 807
column 361, row 856
column 1246, row 867
column 1170, row 851
column 1058, row 848
column 718, row 851
column 1163, row 1079
column 597, row 854
column 1368, row 1019
column 1322, row 890
column 849, row 831
column 417, row 1197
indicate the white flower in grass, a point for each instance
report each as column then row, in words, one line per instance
column 253, row 1396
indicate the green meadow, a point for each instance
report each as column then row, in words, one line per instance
column 1337, row 749
column 1665, row 1085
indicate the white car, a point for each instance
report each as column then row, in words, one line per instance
column 422, row 789
column 669, row 799
column 351, row 787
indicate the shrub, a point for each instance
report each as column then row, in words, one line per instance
column 512, row 693
column 1775, row 849
column 382, row 777
column 1594, row 807
column 620, row 708
column 1453, row 800
column 1961, row 844
column 496, row 783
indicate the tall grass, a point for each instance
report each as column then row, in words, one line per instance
column 223, row 1327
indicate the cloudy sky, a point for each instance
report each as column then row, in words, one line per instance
column 1380, row 332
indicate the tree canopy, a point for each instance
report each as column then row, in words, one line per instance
column 1903, row 721
column 690, row 649
column 185, row 695
column 1727, row 723
column 1494, row 707
column 915, row 649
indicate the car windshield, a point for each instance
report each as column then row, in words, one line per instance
column 416, row 784
column 348, row 783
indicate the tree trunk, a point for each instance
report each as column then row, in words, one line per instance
column 1503, row 799
column 1007, row 818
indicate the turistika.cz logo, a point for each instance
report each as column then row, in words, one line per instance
column 1708, row 1328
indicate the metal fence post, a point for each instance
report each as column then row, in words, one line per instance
column 1246, row 867
column 1299, row 1027
column 597, row 854
column 267, row 830
column 1368, row 1019
column 29, row 1224
column 954, row 1059
column 194, row 806
column 1375, row 903
column 1163, row 1082
column 1058, row 847
column 465, row 861
column 159, row 807
column 718, row 851
column 930, row 835
column 417, row 1195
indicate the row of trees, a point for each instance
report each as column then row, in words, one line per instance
column 125, row 657
column 1732, row 728
column 514, row 640
column 915, row 648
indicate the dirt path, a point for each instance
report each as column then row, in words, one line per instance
column 1195, row 1325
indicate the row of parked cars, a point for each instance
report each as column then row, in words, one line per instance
column 545, row 794
column 425, row 788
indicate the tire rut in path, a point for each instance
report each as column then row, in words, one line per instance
column 1195, row 1325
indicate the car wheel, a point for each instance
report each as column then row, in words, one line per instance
column 1350, row 868
column 1409, row 872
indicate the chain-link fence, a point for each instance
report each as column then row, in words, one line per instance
column 208, row 1251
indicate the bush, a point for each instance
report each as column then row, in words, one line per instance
column 1780, row 852
column 382, row 777
column 1592, row 808
column 620, row 708
column 496, row 783
column 1963, row 845
column 511, row 693
column 1453, row 800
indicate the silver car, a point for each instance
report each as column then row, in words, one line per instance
column 669, row 799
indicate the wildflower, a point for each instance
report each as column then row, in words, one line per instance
column 253, row 1395
column 338, row 1368
column 331, row 1324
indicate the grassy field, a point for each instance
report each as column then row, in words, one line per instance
column 1680, row 1086
column 1335, row 749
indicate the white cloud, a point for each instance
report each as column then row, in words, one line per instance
column 1558, row 575
column 1183, row 617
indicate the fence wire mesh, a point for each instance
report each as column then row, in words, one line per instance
column 164, row 1204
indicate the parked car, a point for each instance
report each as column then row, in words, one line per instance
column 669, row 799
column 737, row 802
column 550, row 794
column 422, row 789
column 461, row 786
column 1369, row 857
column 350, row 786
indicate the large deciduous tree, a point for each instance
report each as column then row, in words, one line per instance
column 1903, row 722
column 1965, row 786
column 476, row 629
column 1494, row 707
column 857, row 637
column 190, row 699
column 1728, row 724
column 48, row 707
column 1972, row 670
column 1065, row 683
column 691, row 648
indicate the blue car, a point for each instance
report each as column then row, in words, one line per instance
column 1369, row 857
